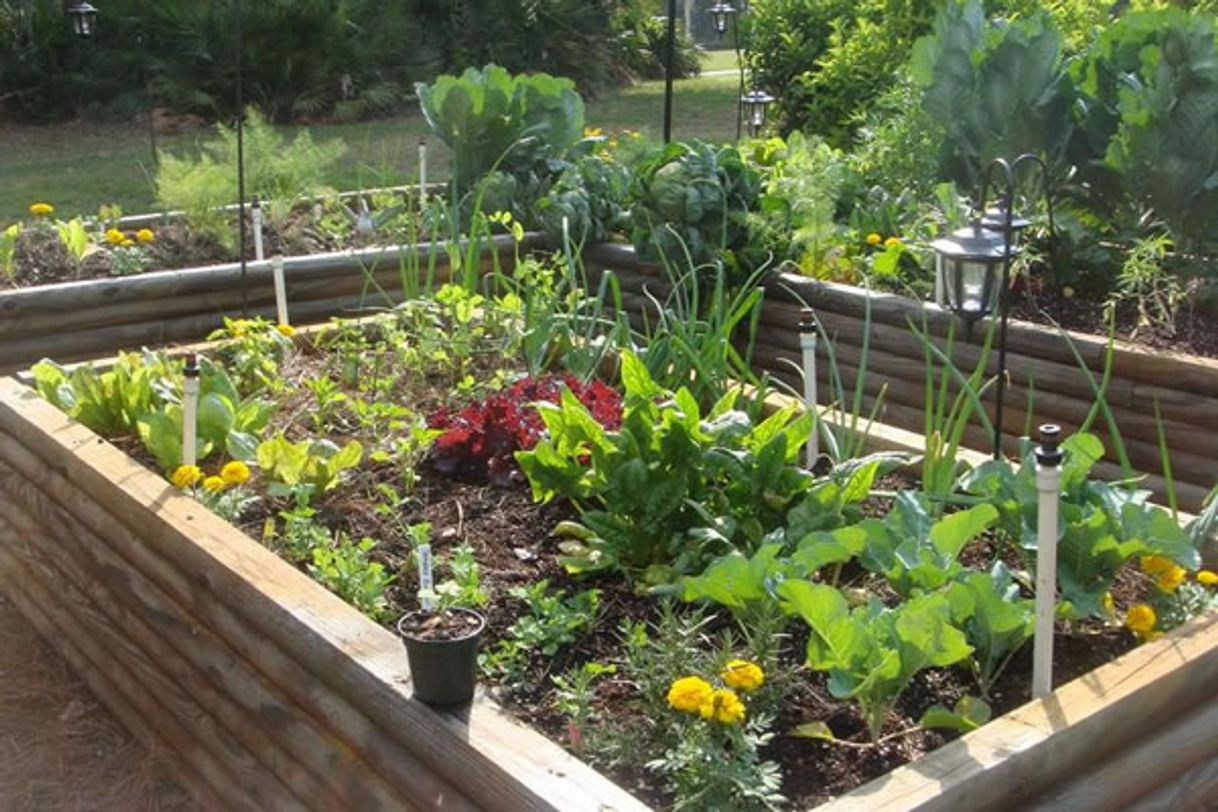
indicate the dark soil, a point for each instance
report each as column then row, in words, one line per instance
column 1194, row 330
column 446, row 625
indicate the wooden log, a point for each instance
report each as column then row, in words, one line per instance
column 192, row 655
column 11, row 584
column 73, row 297
column 1174, row 746
column 348, row 734
column 503, row 764
column 101, row 650
column 1195, row 788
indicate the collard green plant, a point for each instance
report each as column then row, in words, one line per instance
column 988, row 608
column 999, row 88
column 872, row 652
column 1150, row 119
column 590, row 195
column 915, row 553
column 1102, row 526
column 691, row 204
column 491, row 119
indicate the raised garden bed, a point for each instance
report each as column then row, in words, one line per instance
column 265, row 690
column 196, row 618
column 75, row 320
column 1040, row 364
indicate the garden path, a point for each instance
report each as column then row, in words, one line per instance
column 60, row 749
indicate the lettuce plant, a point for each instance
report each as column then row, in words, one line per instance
column 481, row 438
column 311, row 465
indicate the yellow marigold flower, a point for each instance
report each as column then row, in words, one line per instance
column 722, row 706
column 286, row 330
column 114, row 236
column 688, row 693
column 186, row 475
column 1207, row 577
column 1141, row 620
column 128, row 242
column 214, row 484
column 1168, row 574
column 235, row 472
column 892, row 242
column 874, row 239
column 145, row 235
column 743, row 675
column 593, row 132
column 41, row 209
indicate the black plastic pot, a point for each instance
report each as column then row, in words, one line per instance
column 443, row 671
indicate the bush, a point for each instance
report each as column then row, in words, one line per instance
column 281, row 173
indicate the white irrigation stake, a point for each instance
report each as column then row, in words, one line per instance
column 190, row 409
column 426, row 595
column 807, row 344
column 422, row 172
column 281, row 289
column 1048, row 483
column 256, row 216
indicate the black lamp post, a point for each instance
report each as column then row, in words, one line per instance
column 973, row 264
column 669, row 67
column 239, row 14
column 84, row 19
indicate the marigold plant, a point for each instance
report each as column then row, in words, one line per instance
column 286, row 330
column 145, row 235
column 1168, row 574
column 688, row 694
column 1207, row 578
column 722, row 706
column 1141, row 620
column 743, row 676
column 235, row 473
column 214, row 484
column 114, row 236
column 41, row 209
column 186, row 476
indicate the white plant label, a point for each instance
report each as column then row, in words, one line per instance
column 281, row 289
column 426, row 596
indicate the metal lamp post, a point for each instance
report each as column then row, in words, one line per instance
column 239, row 14
column 723, row 14
column 755, row 108
column 973, row 265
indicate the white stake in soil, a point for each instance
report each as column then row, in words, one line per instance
column 426, row 596
column 1048, row 483
column 807, row 344
column 256, row 216
column 422, row 172
column 281, row 289
column 190, row 409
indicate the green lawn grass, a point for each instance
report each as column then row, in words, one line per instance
column 80, row 166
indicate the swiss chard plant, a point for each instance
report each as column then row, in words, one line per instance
column 672, row 488
column 872, row 653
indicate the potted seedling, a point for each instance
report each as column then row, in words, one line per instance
column 441, row 639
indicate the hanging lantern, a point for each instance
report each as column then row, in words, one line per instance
column 84, row 19
column 722, row 14
column 995, row 219
column 969, row 263
column 755, row 107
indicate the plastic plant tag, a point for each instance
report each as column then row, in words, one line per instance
column 426, row 592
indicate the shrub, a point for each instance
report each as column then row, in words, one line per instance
column 278, row 171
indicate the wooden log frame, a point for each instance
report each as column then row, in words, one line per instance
column 265, row 691
column 75, row 320
column 1040, row 366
